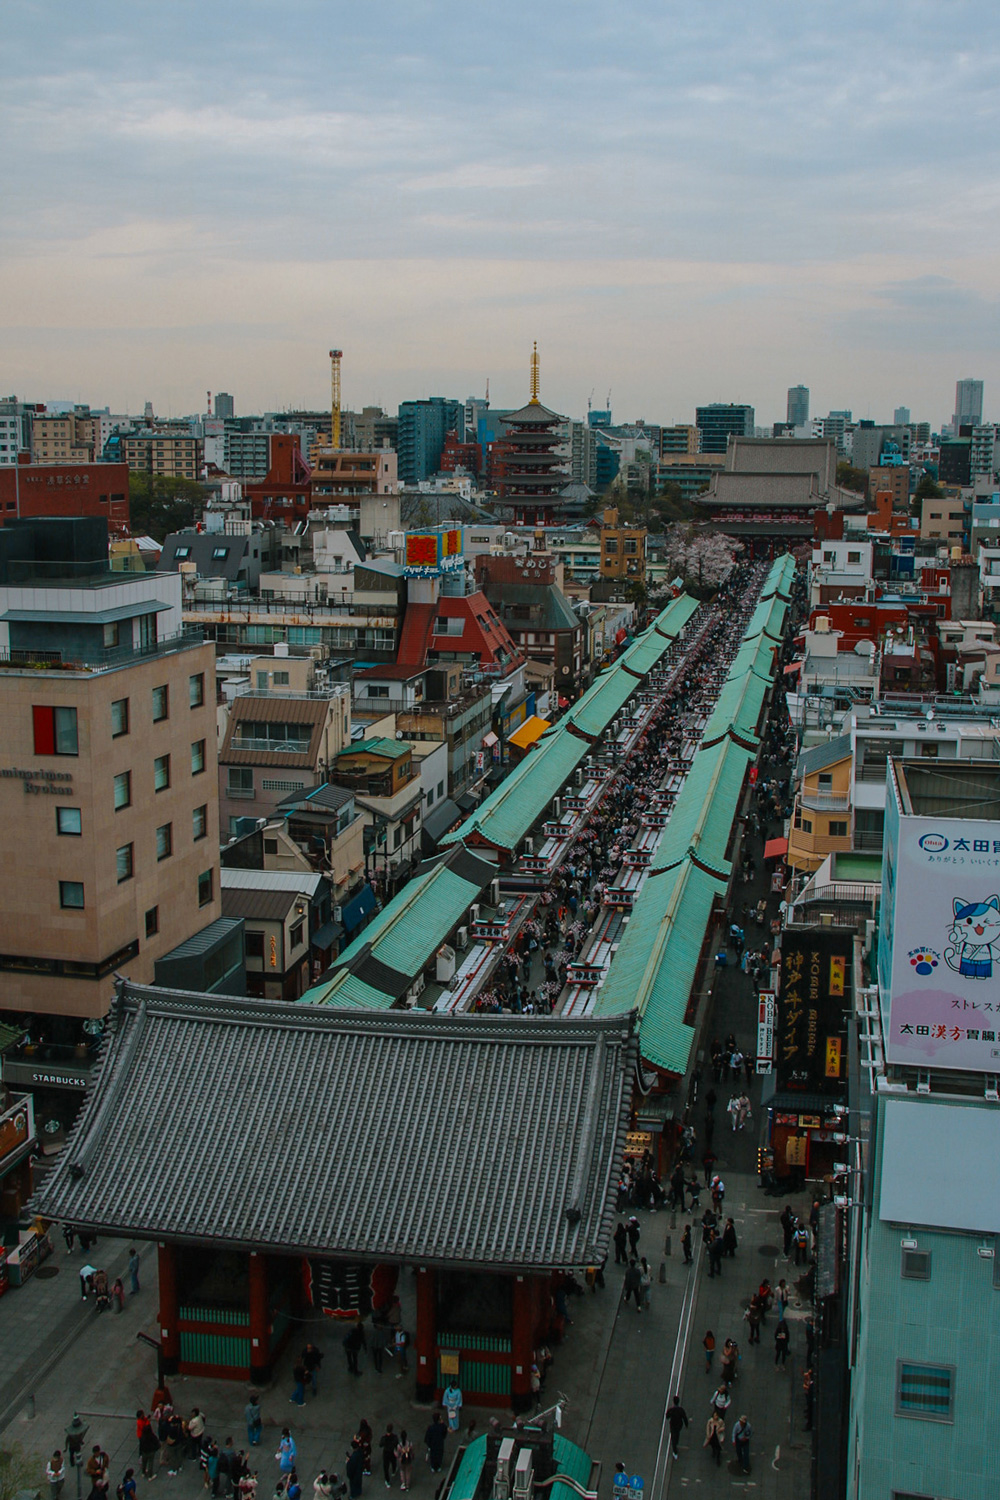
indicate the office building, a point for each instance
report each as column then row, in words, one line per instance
column 968, row 404
column 423, row 427
column 15, row 430
column 718, row 422
column 69, row 489
column 65, row 437
column 225, row 407
column 798, row 405
column 901, row 416
column 173, row 454
column 108, row 778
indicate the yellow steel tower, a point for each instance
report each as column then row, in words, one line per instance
column 336, row 355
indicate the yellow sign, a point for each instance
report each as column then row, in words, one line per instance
column 838, row 971
column 833, row 1057
column 274, row 952
column 795, row 1151
column 449, row 1363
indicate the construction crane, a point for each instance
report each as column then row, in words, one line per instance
column 336, row 355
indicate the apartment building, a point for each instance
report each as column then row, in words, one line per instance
column 65, row 438
column 278, row 742
column 174, row 454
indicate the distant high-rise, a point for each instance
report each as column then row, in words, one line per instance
column 224, row 405
column 798, row 405
column 968, row 404
column 423, row 427
column 901, row 416
column 718, row 422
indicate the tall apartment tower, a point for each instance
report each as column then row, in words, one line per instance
column 968, row 404
column 901, row 416
column 224, row 405
column 798, row 405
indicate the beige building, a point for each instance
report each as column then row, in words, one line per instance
column 65, row 439
column 109, row 800
column 277, row 742
column 943, row 519
column 170, row 453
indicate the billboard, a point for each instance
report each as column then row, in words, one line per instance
column 812, row 1010
column 939, row 941
column 435, row 550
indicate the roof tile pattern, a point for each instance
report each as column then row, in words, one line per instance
column 448, row 1139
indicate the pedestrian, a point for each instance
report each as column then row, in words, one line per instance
column 322, row 1486
column 388, row 1443
column 149, row 1445
column 787, row 1227
column 451, row 1400
column 742, row 1432
column 708, row 1344
column 633, row 1231
column 400, row 1340
column 354, row 1342
column 715, row 1254
column 312, row 1359
column 781, row 1339
column 752, row 1319
column 213, row 1462
column 381, row 1343
column 633, row 1278
column 298, row 1396
column 809, row 1388
column 645, row 1285
column 195, row 1432
column 732, row 1110
column 127, row 1488
column 715, row 1431
column 721, row 1399
column 434, row 1438
column 781, row 1297
column 251, row 1414
column 800, row 1243
column 287, row 1452
column 118, row 1295
column 293, row 1490
column 355, row 1470
column 365, row 1437
column 97, row 1469
column 729, row 1241
column 708, row 1162
column 677, row 1419
column 404, row 1457
column 686, row 1244
column 55, row 1472
column 718, row 1194
column 133, row 1269
column 730, row 1359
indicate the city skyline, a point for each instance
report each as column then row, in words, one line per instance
column 682, row 209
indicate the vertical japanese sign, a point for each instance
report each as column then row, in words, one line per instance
column 765, row 1030
column 812, row 1010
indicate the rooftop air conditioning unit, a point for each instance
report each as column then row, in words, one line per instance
column 578, row 775
column 495, row 892
column 462, row 938
column 474, row 912
column 444, row 968
column 557, row 807
column 523, row 1474
column 504, row 1471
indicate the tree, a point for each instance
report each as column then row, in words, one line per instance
column 161, row 503
column 19, row 1471
column 701, row 558
column 928, row 489
column 850, row 478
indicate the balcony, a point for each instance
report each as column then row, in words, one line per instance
column 825, row 801
column 270, row 747
column 113, row 659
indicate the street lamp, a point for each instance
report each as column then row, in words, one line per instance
column 75, row 1434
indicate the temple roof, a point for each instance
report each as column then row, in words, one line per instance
column 533, row 413
column 454, row 1140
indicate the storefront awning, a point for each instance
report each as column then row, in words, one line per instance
column 531, row 730
column 326, row 936
column 353, row 912
column 775, row 848
column 440, row 820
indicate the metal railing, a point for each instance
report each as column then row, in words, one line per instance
column 100, row 660
column 825, row 801
column 277, row 747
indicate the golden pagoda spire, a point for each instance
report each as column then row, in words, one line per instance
column 534, row 375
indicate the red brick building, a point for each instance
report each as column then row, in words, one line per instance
column 66, row 490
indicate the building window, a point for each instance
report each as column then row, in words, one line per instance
column 916, row 1265
column 270, row 846
column 807, row 825
column 124, row 863
column 55, row 731
column 854, row 557
column 161, row 704
column 205, row 888
column 197, row 757
column 69, row 820
column 280, row 679
column 71, row 895
column 112, row 633
column 123, row 790
column 838, row 828
column 219, row 554
column 119, row 718
column 240, row 781
column 152, row 921
column 196, row 689
column 199, row 822
column 377, row 692
column 165, row 841
column 268, row 784
column 297, row 934
column 926, row 1391
column 440, row 788
column 255, row 944
column 397, row 837
column 161, row 773
column 826, row 781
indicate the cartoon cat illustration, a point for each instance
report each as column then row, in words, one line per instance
column 976, row 936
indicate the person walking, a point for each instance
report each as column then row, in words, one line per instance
column 781, row 1341
column 800, row 1243
column 686, row 1245
column 742, row 1433
column 252, row 1417
column 195, row 1432
column 287, row 1453
column 355, row 1470
column 633, row 1279
column 715, row 1432
column 730, row 1244
column 721, row 1400
column 787, row 1227
column 645, row 1284
column 434, row 1438
column 752, row 1319
column 633, row 1231
column 298, row 1396
column 621, row 1239
column 389, row 1443
column 133, row 1269
column 404, row 1457
column 311, row 1360
column 149, row 1445
column 354, row 1342
column 715, row 1254
column 55, row 1473
column 452, row 1403
column 708, row 1344
column 677, row 1420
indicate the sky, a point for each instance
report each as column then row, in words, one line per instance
column 681, row 202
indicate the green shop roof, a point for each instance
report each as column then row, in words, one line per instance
column 385, row 749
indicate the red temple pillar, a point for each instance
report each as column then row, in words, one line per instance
column 522, row 1342
column 260, row 1319
column 426, row 1336
column 170, row 1334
